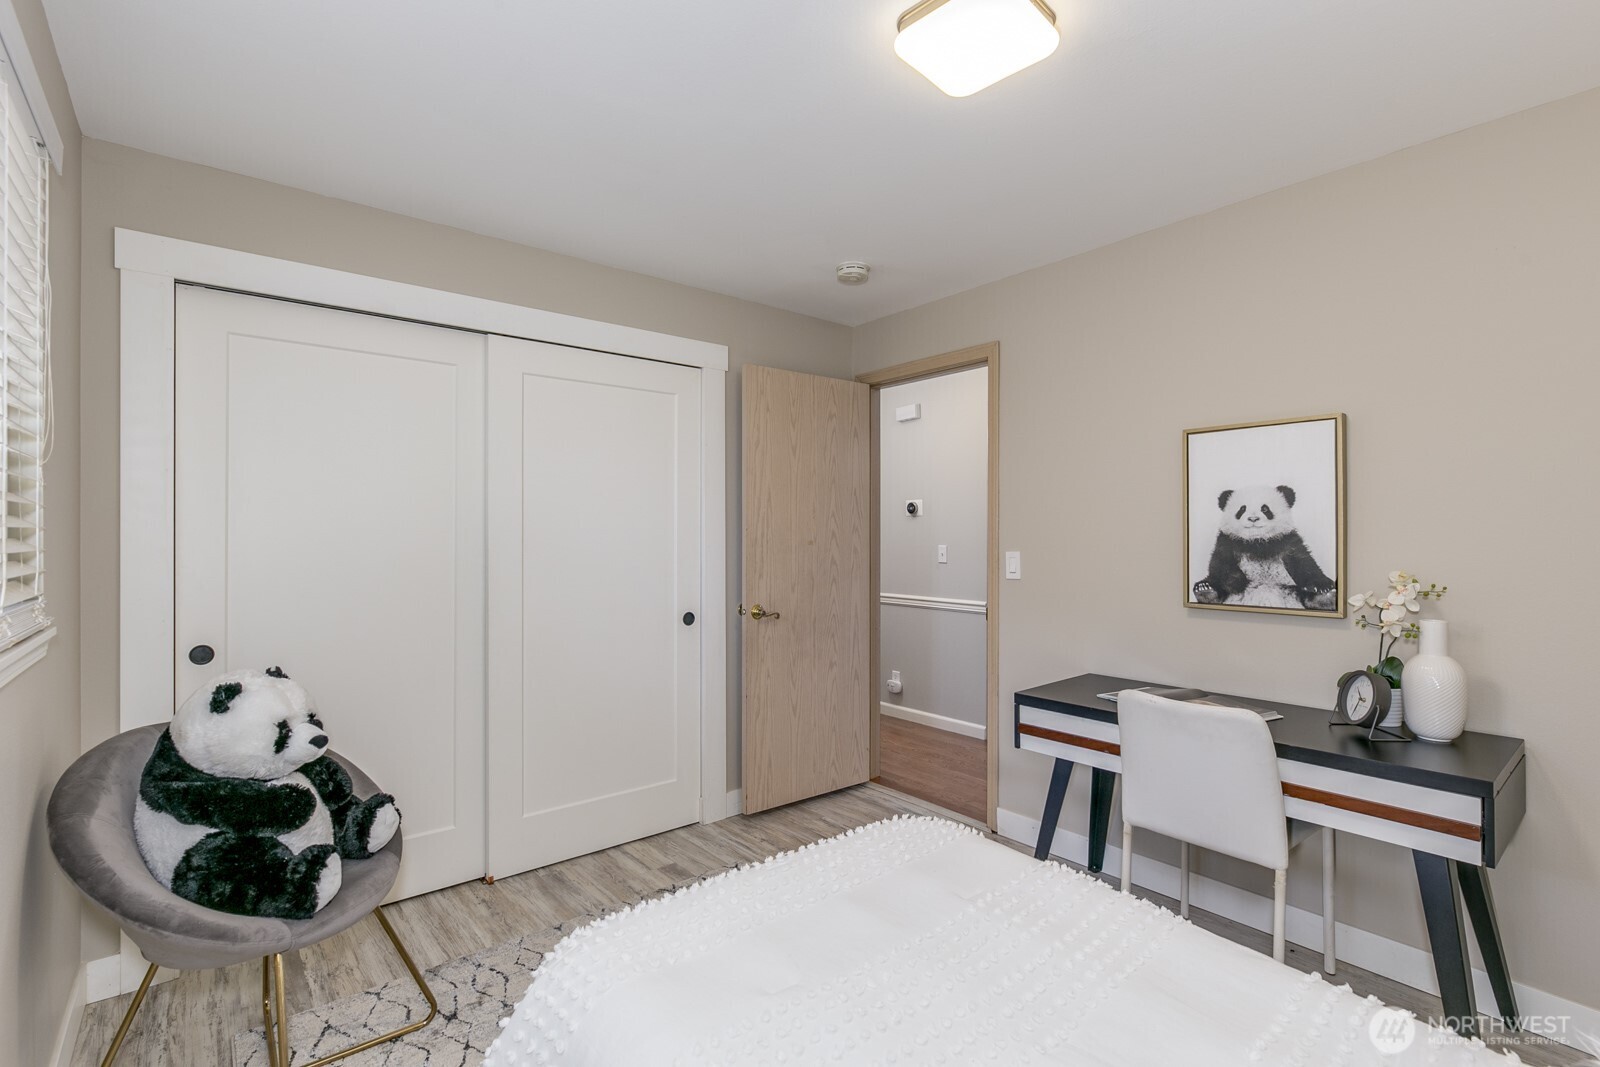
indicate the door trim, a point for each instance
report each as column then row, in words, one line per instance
column 150, row 268
column 984, row 355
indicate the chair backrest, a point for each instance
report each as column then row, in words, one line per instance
column 1202, row 774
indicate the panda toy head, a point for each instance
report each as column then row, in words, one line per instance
column 1257, row 513
column 249, row 724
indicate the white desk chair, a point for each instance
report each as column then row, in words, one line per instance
column 1208, row 776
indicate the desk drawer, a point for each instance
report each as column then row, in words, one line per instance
column 1433, row 820
column 1069, row 737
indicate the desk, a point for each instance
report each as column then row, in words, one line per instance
column 1455, row 807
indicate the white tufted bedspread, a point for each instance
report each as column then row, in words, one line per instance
column 917, row 941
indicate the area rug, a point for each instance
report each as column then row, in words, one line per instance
column 475, row 992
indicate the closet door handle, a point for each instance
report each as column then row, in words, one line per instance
column 200, row 655
column 757, row 612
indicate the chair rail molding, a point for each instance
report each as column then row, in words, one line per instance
column 934, row 603
column 151, row 267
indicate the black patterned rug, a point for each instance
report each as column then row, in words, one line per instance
column 475, row 992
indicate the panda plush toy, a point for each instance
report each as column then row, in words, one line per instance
column 241, row 810
column 1259, row 558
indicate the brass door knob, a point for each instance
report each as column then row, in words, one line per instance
column 757, row 612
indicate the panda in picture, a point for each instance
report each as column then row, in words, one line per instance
column 1260, row 559
column 241, row 810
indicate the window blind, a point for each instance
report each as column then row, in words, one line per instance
column 24, row 367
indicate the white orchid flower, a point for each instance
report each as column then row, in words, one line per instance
column 1392, row 614
column 1397, row 598
column 1399, row 578
column 1361, row 600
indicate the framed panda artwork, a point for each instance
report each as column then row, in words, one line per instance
column 1263, row 515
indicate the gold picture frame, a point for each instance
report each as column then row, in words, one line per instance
column 1244, row 545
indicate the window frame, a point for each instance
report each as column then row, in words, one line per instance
column 26, row 627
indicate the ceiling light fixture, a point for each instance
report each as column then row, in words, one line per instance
column 966, row 45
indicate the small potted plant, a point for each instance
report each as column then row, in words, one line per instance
column 1389, row 614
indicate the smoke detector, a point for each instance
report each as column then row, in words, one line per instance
column 853, row 272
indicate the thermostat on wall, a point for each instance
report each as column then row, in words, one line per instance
column 907, row 412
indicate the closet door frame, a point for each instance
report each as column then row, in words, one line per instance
column 151, row 267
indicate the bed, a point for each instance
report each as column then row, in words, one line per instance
column 918, row 941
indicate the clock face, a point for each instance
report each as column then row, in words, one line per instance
column 1358, row 698
column 1363, row 696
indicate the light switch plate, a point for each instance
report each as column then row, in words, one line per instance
column 944, row 556
column 1014, row 565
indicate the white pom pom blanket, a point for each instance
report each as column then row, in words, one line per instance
column 917, row 941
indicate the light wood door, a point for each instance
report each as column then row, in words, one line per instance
column 807, row 503
column 594, row 478
column 329, row 520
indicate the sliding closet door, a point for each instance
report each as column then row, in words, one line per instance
column 329, row 519
column 594, row 584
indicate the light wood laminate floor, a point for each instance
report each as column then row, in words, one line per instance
column 934, row 765
column 191, row 1021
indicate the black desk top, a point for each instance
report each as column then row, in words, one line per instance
column 1475, row 764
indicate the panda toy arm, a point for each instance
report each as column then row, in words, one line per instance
column 238, row 805
column 360, row 827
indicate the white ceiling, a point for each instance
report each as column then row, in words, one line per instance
column 747, row 146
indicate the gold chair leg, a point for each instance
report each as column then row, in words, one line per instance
column 279, row 1056
column 266, row 1010
column 278, row 1010
column 127, row 1020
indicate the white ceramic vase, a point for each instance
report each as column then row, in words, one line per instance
column 1435, row 688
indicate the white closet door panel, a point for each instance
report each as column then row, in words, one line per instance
column 594, row 558
column 330, row 520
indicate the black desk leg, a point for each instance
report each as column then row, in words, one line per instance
column 1059, row 775
column 1439, row 881
column 1480, row 908
column 1100, row 787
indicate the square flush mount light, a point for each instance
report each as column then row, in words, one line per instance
column 966, row 45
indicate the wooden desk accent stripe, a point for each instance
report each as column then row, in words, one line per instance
column 1421, row 820
column 1405, row 816
column 1111, row 748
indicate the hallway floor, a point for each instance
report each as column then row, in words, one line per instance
column 934, row 765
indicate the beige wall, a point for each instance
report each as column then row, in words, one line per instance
column 1448, row 299
column 123, row 187
column 39, row 946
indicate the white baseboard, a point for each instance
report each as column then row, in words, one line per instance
column 112, row 976
column 71, row 1021
column 103, row 979
column 938, row 722
column 1392, row 959
column 735, row 802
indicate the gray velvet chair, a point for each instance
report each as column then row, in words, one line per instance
column 91, row 832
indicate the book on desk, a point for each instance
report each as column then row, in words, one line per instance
column 1197, row 696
